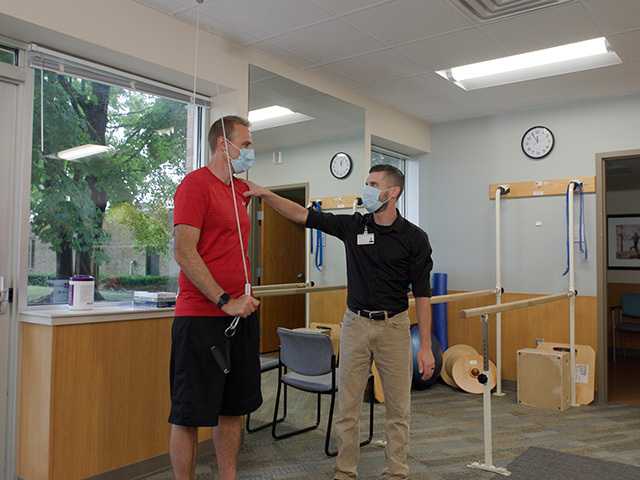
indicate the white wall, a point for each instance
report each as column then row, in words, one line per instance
column 621, row 202
column 310, row 164
column 469, row 155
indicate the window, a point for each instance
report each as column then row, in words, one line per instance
column 8, row 55
column 106, row 161
column 381, row 156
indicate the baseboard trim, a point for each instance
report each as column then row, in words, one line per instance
column 149, row 466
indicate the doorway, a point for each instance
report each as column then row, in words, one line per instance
column 279, row 257
column 618, row 204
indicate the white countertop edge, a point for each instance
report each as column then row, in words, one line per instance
column 64, row 316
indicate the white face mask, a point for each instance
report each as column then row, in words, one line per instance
column 371, row 199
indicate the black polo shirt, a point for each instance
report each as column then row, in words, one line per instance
column 380, row 275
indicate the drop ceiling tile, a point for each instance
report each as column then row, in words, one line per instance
column 327, row 42
column 615, row 15
column 168, row 6
column 405, row 20
column 291, row 58
column 340, row 7
column 227, row 30
column 374, row 67
column 626, row 45
column 263, row 18
column 452, row 49
column 544, row 28
column 428, row 97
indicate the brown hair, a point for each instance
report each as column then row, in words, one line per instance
column 216, row 131
column 396, row 176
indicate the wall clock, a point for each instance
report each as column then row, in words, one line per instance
column 537, row 142
column 341, row 165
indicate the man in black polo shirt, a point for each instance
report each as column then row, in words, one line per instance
column 386, row 257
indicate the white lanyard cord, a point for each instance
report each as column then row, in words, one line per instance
column 231, row 330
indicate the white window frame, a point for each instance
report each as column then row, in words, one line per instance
column 402, row 204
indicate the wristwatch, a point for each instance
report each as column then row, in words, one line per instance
column 223, row 300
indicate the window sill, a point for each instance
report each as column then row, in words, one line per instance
column 54, row 315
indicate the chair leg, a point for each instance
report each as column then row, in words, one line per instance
column 327, row 440
column 279, row 436
column 251, row 429
column 372, row 401
column 275, row 410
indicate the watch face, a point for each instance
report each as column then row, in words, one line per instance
column 341, row 165
column 537, row 142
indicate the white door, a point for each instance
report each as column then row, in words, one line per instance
column 12, row 118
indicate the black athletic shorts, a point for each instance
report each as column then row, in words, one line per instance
column 200, row 390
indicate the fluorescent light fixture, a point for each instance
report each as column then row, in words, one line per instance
column 267, row 113
column 82, row 151
column 275, row 116
column 573, row 57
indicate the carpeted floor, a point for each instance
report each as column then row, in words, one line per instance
column 541, row 463
column 446, row 434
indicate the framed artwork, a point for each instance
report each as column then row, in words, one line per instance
column 623, row 233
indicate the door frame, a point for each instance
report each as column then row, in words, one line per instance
column 307, row 265
column 20, row 171
column 602, row 291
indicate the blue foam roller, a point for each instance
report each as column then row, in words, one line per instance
column 439, row 312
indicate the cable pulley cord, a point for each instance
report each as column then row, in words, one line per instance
column 231, row 330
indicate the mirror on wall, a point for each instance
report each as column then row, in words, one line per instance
column 297, row 131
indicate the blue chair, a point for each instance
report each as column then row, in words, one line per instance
column 308, row 363
column 626, row 317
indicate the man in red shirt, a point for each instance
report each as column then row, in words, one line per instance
column 215, row 379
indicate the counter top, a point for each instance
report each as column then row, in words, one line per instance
column 54, row 315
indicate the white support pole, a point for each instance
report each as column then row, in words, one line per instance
column 485, row 378
column 502, row 189
column 572, row 291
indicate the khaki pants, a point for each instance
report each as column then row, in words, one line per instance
column 388, row 342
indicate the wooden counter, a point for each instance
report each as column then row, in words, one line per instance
column 94, row 396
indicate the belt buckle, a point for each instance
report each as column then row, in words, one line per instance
column 372, row 314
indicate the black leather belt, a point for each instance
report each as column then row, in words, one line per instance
column 375, row 315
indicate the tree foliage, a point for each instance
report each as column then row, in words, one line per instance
column 135, row 182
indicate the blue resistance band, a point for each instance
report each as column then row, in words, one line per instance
column 319, row 256
column 582, row 237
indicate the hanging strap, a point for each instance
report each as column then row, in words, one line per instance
column 582, row 237
column 319, row 237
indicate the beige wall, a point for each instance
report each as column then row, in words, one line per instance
column 129, row 36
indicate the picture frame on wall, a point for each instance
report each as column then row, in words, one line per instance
column 623, row 247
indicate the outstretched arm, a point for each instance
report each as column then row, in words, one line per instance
column 288, row 209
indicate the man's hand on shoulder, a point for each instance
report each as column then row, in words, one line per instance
column 255, row 190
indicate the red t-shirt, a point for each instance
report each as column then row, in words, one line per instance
column 204, row 201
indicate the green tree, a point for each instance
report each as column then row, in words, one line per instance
column 136, row 180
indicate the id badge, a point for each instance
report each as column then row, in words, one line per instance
column 365, row 238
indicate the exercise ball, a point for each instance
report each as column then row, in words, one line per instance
column 418, row 383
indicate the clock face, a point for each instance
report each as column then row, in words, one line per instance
column 341, row 165
column 537, row 142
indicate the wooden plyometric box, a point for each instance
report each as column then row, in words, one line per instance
column 585, row 369
column 544, row 379
column 331, row 329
